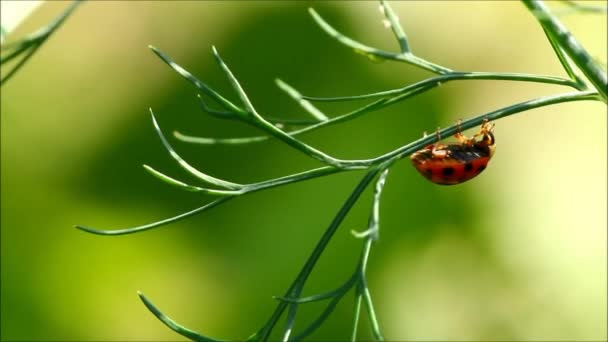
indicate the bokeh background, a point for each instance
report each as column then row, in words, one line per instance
column 519, row 253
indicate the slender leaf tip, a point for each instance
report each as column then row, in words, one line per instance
column 164, row 57
column 157, row 51
column 95, row 231
column 154, row 122
column 172, row 324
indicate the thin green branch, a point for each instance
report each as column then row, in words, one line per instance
column 294, row 94
column 166, row 221
column 357, row 314
column 220, row 141
column 367, row 298
column 358, row 277
column 570, row 45
column 376, row 53
column 227, row 104
column 374, row 218
column 253, row 117
column 190, row 334
column 192, row 170
column 188, row 187
column 291, row 122
column 33, row 42
column 395, row 26
column 477, row 120
column 232, row 115
column 586, row 8
column 20, row 64
column 371, row 235
column 249, row 109
column 291, row 320
column 314, row 173
column 563, row 59
column 322, row 296
column 430, row 83
column 297, row 285
column 15, row 51
column 216, row 113
column 324, row 315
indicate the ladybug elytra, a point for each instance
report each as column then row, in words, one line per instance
column 456, row 162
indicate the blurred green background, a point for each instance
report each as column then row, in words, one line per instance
column 519, row 253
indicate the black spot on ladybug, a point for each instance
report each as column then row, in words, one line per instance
column 447, row 171
column 481, row 168
column 468, row 167
column 429, row 172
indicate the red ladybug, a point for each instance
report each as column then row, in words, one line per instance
column 456, row 162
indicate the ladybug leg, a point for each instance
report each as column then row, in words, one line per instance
column 439, row 150
column 486, row 127
column 463, row 139
column 459, row 136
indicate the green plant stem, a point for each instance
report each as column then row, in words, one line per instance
column 477, row 120
column 392, row 18
column 296, row 287
column 33, row 42
column 157, row 223
column 294, row 94
column 565, row 62
column 407, row 57
column 570, row 45
column 433, row 82
column 470, row 123
column 358, row 278
column 357, row 314
column 586, row 8
column 190, row 334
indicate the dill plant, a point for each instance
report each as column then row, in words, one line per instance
column 573, row 57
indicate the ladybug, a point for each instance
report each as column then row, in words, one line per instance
column 456, row 162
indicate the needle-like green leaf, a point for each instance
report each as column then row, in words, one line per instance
column 294, row 94
column 188, row 187
column 196, row 173
column 200, row 85
column 430, row 83
column 156, row 224
column 395, row 26
column 26, row 47
column 374, row 53
column 193, row 335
